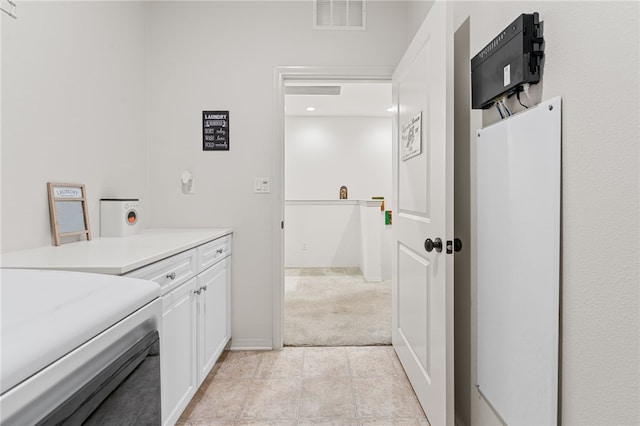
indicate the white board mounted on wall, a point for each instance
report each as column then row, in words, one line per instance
column 517, row 240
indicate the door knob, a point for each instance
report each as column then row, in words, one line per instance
column 429, row 245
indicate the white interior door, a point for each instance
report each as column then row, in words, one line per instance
column 423, row 198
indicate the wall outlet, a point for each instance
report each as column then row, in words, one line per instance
column 305, row 246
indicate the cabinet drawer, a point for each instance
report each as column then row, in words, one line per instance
column 178, row 294
column 169, row 272
column 212, row 252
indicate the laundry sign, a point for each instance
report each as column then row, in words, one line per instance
column 215, row 130
column 67, row 192
column 411, row 137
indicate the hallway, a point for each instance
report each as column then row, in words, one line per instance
column 306, row 386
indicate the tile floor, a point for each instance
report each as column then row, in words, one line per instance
column 306, row 386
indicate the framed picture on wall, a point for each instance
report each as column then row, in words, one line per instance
column 411, row 138
column 215, row 130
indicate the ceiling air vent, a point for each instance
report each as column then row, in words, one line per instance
column 312, row 90
column 339, row 15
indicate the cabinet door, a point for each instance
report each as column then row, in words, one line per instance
column 178, row 350
column 213, row 315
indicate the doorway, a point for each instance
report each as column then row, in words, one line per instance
column 436, row 33
column 337, row 173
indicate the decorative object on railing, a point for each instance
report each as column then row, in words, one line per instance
column 344, row 192
column 388, row 219
column 8, row 7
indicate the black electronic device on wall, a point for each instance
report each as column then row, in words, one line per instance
column 512, row 59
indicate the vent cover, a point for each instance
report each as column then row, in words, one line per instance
column 339, row 15
column 312, row 90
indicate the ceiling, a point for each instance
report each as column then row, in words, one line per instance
column 355, row 99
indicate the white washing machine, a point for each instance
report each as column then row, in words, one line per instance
column 79, row 348
column 119, row 217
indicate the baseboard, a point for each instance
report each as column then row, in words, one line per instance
column 251, row 345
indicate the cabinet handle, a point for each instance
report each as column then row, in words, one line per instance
column 204, row 287
column 219, row 251
column 197, row 291
column 171, row 276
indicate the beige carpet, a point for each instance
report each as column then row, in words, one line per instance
column 335, row 307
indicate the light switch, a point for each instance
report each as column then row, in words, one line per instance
column 262, row 185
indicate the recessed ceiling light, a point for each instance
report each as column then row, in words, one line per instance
column 310, row 109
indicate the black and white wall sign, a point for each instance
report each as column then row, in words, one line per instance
column 215, row 130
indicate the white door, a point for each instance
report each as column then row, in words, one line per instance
column 423, row 198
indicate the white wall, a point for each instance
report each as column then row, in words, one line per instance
column 324, row 153
column 73, row 109
column 222, row 55
column 322, row 234
column 338, row 233
column 592, row 62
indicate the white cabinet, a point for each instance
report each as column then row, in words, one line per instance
column 214, row 326
column 196, row 321
column 196, row 325
column 179, row 382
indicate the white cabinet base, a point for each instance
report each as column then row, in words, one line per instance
column 195, row 326
column 213, row 328
column 176, row 343
column 196, row 301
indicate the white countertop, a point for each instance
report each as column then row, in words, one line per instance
column 114, row 256
column 47, row 314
